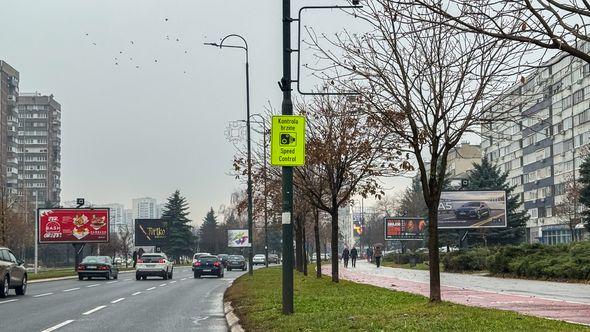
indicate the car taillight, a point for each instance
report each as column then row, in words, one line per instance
column 216, row 264
column 162, row 261
column 140, row 260
column 81, row 267
column 197, row 263
column 103, row 267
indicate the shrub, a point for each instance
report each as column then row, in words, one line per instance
column 466, row 260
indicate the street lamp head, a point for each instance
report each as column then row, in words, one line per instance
column 212, row 44
column 355, row 2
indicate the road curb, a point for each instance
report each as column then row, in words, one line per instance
column 64, row 278
column 233, row 322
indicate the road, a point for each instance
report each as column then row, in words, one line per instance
column 180, row 304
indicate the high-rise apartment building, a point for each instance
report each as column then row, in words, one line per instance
column 460, row 162
column 39, row 157
column 144, row 208
column 541, row 149
column 9, row 78
column 117, row 216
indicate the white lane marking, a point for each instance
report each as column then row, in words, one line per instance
column 93, row 285
column 60, row 325
column 171, row 282
column 71, row 289
column 151, row 288
column 45, row 294
column 182, row 279
column 112, row 282
column 94, row 310
column 136, row 293
column 118, row 300
column 9, row 301
column 126, row 279
column 162, row 285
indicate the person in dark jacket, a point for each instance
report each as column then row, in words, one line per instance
column 134, row 258
column 345, row 256
column 353, row 256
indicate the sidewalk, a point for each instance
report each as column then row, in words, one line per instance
column 562, row 301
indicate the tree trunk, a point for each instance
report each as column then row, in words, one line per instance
column 318, row 253
column 298, row 245
column 304, row 252
column 335, row 260
column 433, row 256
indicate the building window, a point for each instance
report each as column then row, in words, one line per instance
column 578, row 96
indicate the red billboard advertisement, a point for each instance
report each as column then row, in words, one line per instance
column 73, row 225
column 402, row 228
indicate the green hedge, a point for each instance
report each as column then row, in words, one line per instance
column 405, row 258
column 538, row 261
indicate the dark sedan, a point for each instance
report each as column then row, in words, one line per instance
column 236, row 262
column 97, row 266
column 223, row 258
column 208, row 265
column 12, row 274
column 475, row 210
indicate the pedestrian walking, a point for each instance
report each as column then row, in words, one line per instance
column 378, row 255
column 345, row 256
column 353, row 256
column 134, row 258
column 369, row 255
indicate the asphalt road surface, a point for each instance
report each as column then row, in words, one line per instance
column 180, row 304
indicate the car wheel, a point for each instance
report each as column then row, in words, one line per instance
column 229, row 269
column 137, row 277
column 89, row 278
column 197, row 275
column 116, row 276
column 165, row 277
column 144, row 277
column 108, row 277
column 244, row 268
column 22, row 289
column 171, row 274
column 5, row 287
column 80, row 277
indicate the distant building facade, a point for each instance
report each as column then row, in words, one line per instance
column 39, row 154
column 9, row 79
column 145, row 208
column 117, row 216
column 460, row 162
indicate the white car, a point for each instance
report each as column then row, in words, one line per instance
column 259, row 259
column 154, row 264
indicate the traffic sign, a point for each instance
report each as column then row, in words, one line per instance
column 287, row 140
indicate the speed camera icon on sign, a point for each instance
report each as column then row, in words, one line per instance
column 288, row 139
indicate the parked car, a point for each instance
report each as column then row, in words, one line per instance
column 259, row 259
column 208, row 265
column 236, row 262
column 197, row 255
column 476, row 210
column 97, row 266
column 154, row 264
column 223, row 258
column 12, row 274
column 274, row 258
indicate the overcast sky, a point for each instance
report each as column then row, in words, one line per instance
column 144, row 104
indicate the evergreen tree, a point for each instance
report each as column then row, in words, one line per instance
column 486, row 176
column 209, row 234
column 180, row 238
column 585, row 191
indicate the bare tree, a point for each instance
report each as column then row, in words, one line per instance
column 345, row 156
column 126, row 241
column 546, row 24
column 425, row 82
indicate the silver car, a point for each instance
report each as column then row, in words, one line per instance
column 12, row 274
column 154, row 264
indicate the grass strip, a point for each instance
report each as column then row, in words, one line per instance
column 321, row 305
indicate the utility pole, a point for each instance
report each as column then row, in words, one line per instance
column 287, row 109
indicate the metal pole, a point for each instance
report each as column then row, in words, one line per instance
column 36, row 267
column 250, row 233
column 265, row 197
column 287, row 109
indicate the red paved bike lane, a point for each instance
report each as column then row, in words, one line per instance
column 528, row 305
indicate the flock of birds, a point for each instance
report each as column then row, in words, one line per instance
column 126, row 56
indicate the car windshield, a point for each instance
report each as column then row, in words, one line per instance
column 236, row 257
column 259, row 256
column 470, row 204
column 208, row 259
column 151, row 258
column 96, row 259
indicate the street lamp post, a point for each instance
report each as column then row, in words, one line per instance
column 36, row 267
column 245, row 48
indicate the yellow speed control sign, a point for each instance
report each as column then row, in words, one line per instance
column 287, row 140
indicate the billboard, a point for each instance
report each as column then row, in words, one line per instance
column 60, row 225
column 403, row 228
column 238, row 238
column 472, row 209
column 151, row 232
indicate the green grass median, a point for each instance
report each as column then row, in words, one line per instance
column 321, row 305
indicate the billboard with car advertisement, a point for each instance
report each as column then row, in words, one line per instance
column 65, row 225
column 403, row 228
column 238, row 238
column 151, row 232
column 472, row 209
